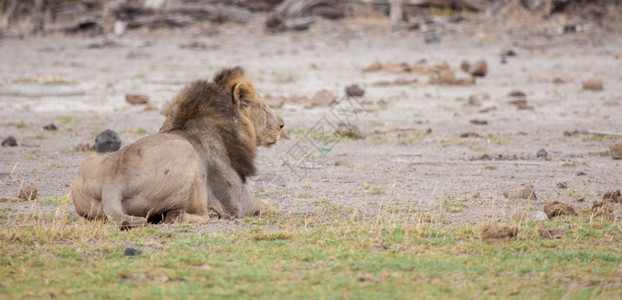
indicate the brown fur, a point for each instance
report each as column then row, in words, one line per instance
column 221, row 123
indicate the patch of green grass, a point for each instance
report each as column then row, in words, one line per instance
column 477, row 148
column 595, row 137
column 69, row 119
column 137, row 131
column 600, row 153
column 454, row 205
column 491, row 167
column 318, row 257
column 305, row 195
column 497, row 139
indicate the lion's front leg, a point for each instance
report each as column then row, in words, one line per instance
column 230, row 198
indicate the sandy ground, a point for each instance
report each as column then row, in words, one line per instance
column 412, row 161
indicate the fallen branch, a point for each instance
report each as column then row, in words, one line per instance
column 36, row 95
column 491, row 162
column 598, row 132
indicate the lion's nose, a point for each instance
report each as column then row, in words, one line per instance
column 282, row 122
column 282, row 125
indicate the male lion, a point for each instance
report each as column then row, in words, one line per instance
column 198, row 161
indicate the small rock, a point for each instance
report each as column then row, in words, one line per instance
column 615, row 151
column 9, row 142
column 50, row 127
column 107, row 141
column 322, row 98
column 525, row 191
column 508, row 52
column 350, row 131
column 498, row 233
column 593, row 85
column 465, row 66
column 540, row 216
column 28, row 193
column 519, row 103
column 136, row 99
column 613, row 196
column 479, row 69
column 432, row 39
column 470, row 135
column 542, row 153
column 131, row 252
column 558, row 80
column 581, row 173
column 478, row 122
column 517, row 93
column 552, row 233
column 562, row 185
column 376, row 66
column 530, row 215
column 557, row 208
column 355, row 91
column 474, row 101
column 83, row 147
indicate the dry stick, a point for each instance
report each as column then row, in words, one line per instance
column 598, row 132
column 491, row 162
column 34, row 95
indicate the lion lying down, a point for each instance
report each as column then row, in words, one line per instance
column 198, row 161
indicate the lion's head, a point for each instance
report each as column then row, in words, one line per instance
column 231, row 102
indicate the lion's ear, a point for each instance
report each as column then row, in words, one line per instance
column 238, row 93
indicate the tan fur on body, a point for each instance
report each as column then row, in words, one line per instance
column 199, row 160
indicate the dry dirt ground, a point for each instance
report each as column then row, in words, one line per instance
column 412, row 161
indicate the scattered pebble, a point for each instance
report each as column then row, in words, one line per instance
column 508, row 52
column 136, row 99
column 432, row 39
column 542, row 153
column 498, row 233
column 355, row 91
column 517, row 93
column 479, row 69
column 447, row 77
column 83, row 147
column 557, row 208
column 9, row 142
column 465, row 66
column 107, row 141
column 131, row 252
column 525, row 191
column 478, row 122
column 616, row 151
column 519, row 103
column 322, row 98
column 540, row 216
column 50, row 127
column 558, row 80
column 470, row 135
column 593, row 85
column 350, row 131
column 552, row 233
column 562, row 185
column 530, row 216
column 581, row 173
column 28, row 193
column 613, row 196
column 474, row 101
